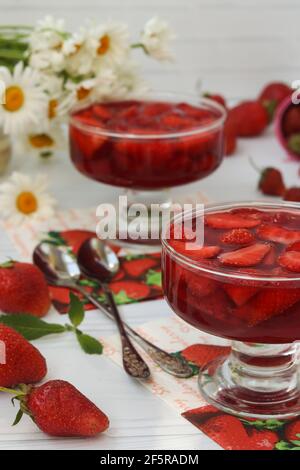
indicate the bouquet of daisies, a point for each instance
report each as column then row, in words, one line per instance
column 46, row 71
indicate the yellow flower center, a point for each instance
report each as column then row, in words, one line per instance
column 27, row 203
column 14, row 98
column 41, row 140
column 82, row 93
column 52, row 109
column 104, row 45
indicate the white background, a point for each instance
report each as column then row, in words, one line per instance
column 234, row 46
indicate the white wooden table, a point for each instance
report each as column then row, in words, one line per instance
column 139, row 420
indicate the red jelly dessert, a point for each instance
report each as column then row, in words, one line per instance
column 244, row 284
column 147, row 144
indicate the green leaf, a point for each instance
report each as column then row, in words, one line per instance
column 153, row 278
column 7, row 264
column 31, row 327
column 282, row 445
column 76, row 310
column 89, row 344
column 296, row 443
column 89, row 283
column 18, row 417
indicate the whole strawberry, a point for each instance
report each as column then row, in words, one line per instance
column 272, row 95
column 23, row 362
column 59, row 409
column 249, row 118
column 292, row 194
column 23, row 289
column 271, row 182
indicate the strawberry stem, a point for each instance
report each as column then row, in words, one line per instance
column 11, row 390
column 253, row 164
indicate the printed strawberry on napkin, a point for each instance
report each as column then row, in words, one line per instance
column 199, row 348
column 138, row 279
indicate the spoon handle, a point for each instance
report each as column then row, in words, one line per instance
column 171, row 364
column 133, row 363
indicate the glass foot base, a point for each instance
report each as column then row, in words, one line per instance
column 220, row 387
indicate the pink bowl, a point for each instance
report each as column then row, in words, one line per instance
column 280, row 113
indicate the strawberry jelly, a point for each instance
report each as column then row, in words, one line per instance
column 247, row 287
column 146, row 144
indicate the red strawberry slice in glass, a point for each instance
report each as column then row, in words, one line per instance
column 202, row 252
column 267, row 304
column 278, row 234
column 249, row 256
column 228, row 221
column 290, row 260
column 237, row 236
column 88, row 143
column 240, row 294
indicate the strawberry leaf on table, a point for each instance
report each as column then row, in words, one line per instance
column 89, row 283
column 89, row 344
column 122, row 298
column 283, row 445
column 31, row 327
column 76, row 310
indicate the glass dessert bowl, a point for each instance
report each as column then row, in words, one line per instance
column 148, row 145
column 242, row 284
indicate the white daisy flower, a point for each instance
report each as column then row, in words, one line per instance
column 48, row 34
column 79, row 56
column 156, row 38
column 25, row 103
column 128, row 81
column 43, row 143
column 23, row 198
column 110, row 43
column 47, row 60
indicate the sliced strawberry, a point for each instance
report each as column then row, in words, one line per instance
column 137, row 267
column 294, row 247
column 199, row 286
column 237, row 236
column 228, row 221
column 270, row 259
column 216, row 304
column 203, row 252
column 101, row 112
column 290, row 260
column 278, row 234
column 267, row 304
column 249, row 256
column 155, row 109
column 240, row 294
column 88, row 144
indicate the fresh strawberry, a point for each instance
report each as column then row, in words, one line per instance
column 272, row 95
column 271, row 182
column 133, row 290
column 250, row 118
column 292, row 430
column 23, row 289
column 290, row 260
column 278, row 234
column 137, row 267
column 75, row 238
column 294, row 247
column 270, row 259
column 240, row 294
column 249, row 256
column 267, row 304
column 202, row 354
column 59, row 409
column 23, row 362
column 292, row 194
column 218, row 98
column 237, row 236
column 228, row 221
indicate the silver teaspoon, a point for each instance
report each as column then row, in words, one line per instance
column 61, row 269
